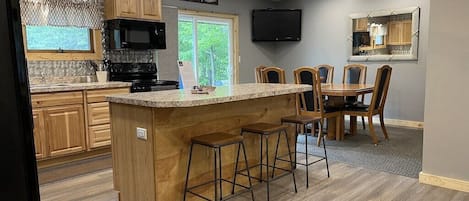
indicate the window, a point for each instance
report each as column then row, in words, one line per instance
column 62, row 43
column 61, row 39
column 208, row 41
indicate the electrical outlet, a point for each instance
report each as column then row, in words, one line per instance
column 141, row 133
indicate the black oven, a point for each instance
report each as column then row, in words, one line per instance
column 132, row 34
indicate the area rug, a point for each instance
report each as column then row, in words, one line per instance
column 401, row 154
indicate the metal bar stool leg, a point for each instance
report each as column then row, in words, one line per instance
column 275, row 156
column 291, row 161
column 215, row 173
column 267, row 165
column 296, row 142
column 307, row 156
column 260, row 159
column 236, row 169
column 188, row 169
column 325, row 152
column 247, row 167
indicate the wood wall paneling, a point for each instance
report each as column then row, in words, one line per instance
column 170, row 131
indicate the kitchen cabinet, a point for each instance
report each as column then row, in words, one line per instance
column 39, row 134
column 65, row 129
column 59, row 127
column 361, row 25
column 400, row 32
column 68, row 123
column 99, row 131
column 133, row 9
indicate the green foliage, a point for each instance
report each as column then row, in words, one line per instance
column 53, row 38
column 213, row 43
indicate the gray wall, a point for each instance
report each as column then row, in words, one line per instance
column 324, row 39
column 446, row 135
column 167, row 58
column 251, row 54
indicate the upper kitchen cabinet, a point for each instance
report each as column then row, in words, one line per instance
column 361, row 25
column 400, row 32
column 149, row 10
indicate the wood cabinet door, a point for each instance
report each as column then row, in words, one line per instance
column 39, row 134
column 100, row 136
column 394, row 33
column 361, row 24
column 127, row 8
column 151, row 9
column 406, row 38
column 65, row 129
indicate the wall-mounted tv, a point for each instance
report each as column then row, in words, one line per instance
column 276, row 25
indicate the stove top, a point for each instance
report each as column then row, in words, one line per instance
column 144, row 76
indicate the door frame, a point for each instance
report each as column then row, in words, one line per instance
column 235, row 59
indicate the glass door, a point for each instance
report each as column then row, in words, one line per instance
column 207, row 42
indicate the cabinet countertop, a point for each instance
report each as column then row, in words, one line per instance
column 184, row 97
column 61, row 87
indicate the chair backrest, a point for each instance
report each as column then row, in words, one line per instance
column 383, row 77
column 258, row 73
column 311, row 101
column 326, row 73
column 354, row 74
column 273, row 75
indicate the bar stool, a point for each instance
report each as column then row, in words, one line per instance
column 216, row 141
column 265, row 130
column 301, row 121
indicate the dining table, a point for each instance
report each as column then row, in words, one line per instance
column 336, row 94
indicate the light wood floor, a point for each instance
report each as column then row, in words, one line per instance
column 346, row 183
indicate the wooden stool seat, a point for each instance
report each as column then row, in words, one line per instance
column 300, row 119
column 217, row 139
column 263, row 128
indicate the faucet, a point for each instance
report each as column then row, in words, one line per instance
column 43, row 77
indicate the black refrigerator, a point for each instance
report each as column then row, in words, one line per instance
column 18, row 173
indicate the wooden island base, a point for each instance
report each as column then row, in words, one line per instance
column 155, row 169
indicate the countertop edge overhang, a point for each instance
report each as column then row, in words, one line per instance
column 184, row 98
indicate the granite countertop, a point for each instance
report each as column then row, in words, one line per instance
column 46, row 88
column 184, row 98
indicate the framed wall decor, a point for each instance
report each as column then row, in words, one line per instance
column 384, row 35
column 214, row 2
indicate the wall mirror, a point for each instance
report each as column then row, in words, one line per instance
column 385, row 35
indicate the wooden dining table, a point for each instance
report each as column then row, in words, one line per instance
column 336, row 94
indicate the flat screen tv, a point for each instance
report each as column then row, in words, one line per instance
column 276, row 25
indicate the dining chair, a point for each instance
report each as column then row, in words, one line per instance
column 273, row 75
column 258, row 73
column 355, row 74
column 311, row 103
column 326, row 73
column 378, row 99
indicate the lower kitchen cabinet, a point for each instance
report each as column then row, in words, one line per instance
column 100, row 136
column 71, row 123
column 65, row 129
column 39, row 134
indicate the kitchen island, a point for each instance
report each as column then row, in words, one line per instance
column 153, row 167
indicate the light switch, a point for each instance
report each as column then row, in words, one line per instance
column 142, row 133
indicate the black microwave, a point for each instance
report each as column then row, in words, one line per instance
column 132, row 34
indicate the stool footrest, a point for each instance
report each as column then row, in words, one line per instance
column 264, row 165
column 189, row 190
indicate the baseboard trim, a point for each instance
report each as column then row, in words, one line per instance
column 444, row 182
column 397, row 122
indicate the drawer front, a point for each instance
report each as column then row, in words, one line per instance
column 98, row 113
column 94, row 96
column 56, row 99
column 100, row 136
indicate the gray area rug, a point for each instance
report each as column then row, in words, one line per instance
column 401, row 154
